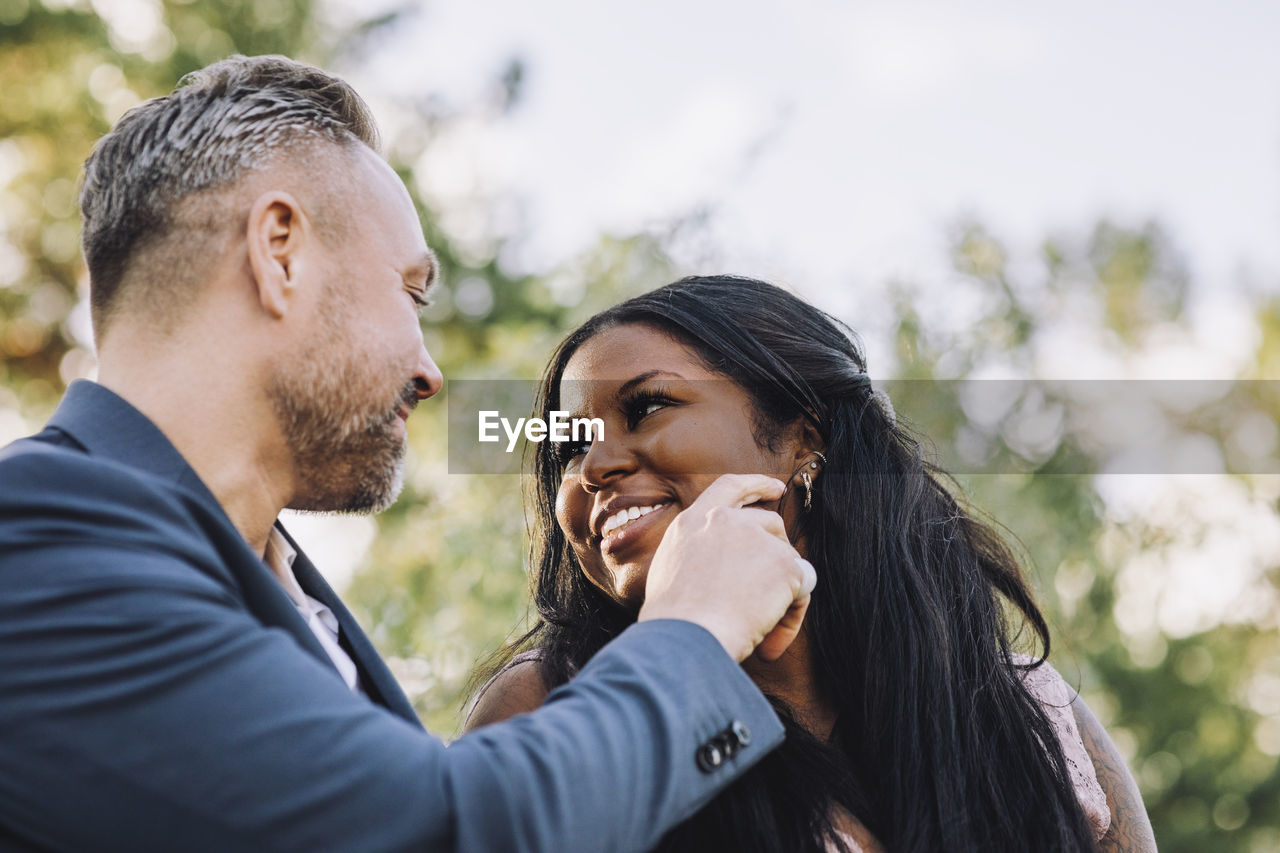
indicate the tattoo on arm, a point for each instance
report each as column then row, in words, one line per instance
column 1130, row 830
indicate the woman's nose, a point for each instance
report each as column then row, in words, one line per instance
column 605, row 462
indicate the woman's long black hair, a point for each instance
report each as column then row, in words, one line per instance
column 937, row 745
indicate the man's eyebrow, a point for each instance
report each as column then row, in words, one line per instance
column 426, row 270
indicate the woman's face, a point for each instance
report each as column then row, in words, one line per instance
column 671, row 427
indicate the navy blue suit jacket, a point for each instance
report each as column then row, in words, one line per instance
column 159, row 691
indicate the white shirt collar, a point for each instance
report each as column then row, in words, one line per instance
column 279, row 557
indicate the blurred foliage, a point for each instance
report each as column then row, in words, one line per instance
column 68, row 71
column 1195, row 705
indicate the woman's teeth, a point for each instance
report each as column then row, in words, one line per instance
column 623, row 517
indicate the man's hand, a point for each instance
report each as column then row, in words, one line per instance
column 728, row 567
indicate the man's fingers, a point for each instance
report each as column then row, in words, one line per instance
column 788, row 628
column 715, row 569
column 736, row 490
column 785, row 632
column 767, row 519
column 809, row 577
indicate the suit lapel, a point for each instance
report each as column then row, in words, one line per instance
column 377, row 679
column 107, row 425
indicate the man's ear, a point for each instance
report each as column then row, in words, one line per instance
column 277, row 233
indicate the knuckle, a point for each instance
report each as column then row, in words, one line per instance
column 718, row 515
column 726, row 480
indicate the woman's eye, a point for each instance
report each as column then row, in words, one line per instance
column 567, row 451
column 641, row 407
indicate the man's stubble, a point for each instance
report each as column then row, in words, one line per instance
column 340, row 427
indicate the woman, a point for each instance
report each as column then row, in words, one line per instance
column 913, row 723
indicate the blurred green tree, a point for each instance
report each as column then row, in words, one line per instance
column 1195, row 705
column 68, row 71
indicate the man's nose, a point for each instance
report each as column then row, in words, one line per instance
column 427, row 378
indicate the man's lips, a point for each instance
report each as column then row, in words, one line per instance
column 408, row 401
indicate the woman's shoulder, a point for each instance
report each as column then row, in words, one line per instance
column 517, row 688
column 1056, row 698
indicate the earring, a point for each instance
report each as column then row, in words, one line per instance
column 808, row 481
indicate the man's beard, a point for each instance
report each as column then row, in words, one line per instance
column 348, row 450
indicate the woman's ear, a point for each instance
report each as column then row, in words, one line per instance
column 808, row 447
column 277, row 233
column 805, row 457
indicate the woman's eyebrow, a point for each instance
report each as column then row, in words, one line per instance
column 626, row 387
column 630, row 384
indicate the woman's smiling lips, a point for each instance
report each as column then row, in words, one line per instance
column 621, row 521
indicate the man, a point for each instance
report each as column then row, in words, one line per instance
column 174, row 674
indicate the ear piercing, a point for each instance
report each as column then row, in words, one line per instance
column 808, row 481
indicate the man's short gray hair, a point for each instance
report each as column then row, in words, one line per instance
column 220, row 123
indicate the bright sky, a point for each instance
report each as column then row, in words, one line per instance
column 836, row 142
column 874, row 125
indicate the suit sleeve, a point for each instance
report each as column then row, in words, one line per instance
column 142, row 707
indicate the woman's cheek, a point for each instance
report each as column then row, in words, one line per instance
column 592, row 566
column 572, row 513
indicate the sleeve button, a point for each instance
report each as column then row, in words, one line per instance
column 709, row 757
column 740, row 732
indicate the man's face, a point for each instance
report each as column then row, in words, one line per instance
column 342, row 399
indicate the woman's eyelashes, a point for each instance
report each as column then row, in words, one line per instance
column 567, row 451
column 639, row 403
column 635, row 406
